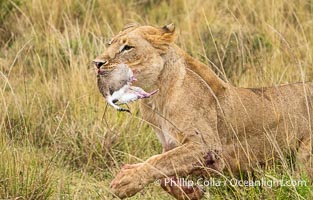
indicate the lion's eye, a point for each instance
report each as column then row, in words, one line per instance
column 126, row 48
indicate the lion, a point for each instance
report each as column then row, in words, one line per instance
column 205, row 125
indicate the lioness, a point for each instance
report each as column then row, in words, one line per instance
column 203, row 122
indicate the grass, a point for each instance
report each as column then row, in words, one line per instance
column 55, row 140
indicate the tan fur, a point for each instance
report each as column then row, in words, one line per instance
column 202, row 122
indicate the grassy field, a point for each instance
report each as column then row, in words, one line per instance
column 57, row 141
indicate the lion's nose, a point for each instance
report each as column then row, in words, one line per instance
column 99, row 63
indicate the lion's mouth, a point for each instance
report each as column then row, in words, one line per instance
column 132, row 78
column 101, row 71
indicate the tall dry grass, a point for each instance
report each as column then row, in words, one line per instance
column 56, row 140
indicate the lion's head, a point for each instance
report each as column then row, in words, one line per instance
column 141, row 48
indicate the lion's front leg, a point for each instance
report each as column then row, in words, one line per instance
column 180, row 161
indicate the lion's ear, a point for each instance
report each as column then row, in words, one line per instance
column 170, row 28
column 168, row 33
column 160, row 37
